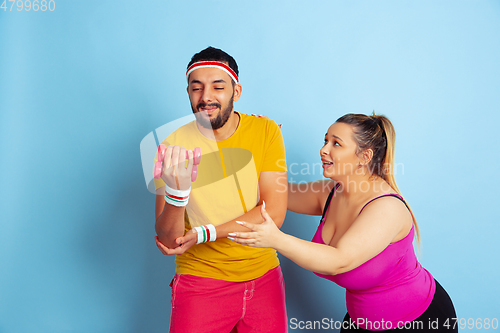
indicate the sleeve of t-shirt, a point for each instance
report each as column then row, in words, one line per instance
column 274, row 154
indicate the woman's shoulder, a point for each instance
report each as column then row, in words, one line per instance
column 389, row 207
column 385, row 201
column 383, row 196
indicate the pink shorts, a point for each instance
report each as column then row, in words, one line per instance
column 203, row 305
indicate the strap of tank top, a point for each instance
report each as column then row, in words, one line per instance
column 327, row 204
column 386, row 195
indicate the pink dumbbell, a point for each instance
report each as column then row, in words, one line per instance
column 161, row 155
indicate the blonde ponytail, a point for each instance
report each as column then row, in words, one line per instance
column 377, row 133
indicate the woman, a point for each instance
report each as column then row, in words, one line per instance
column 364, row 241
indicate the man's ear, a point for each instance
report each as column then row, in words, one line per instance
column 237, row 91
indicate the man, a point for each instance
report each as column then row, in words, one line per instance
column 221, row 286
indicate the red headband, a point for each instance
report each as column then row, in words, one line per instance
column 213, row 64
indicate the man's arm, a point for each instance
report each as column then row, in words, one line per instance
column 273, row 190
column 273, row 187
column 169, row 220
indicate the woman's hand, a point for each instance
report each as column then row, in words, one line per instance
column 262, row 116
column 265, row 234
column 185, row 242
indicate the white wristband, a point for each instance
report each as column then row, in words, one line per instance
column 213, row 232
column 205, row 233
column 199, row 234
column 176, row 201
column 177, row 193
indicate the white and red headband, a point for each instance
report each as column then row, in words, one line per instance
column 212, row 64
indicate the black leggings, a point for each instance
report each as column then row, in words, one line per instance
column 437, row 318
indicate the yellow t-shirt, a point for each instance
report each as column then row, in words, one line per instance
column 226, row 187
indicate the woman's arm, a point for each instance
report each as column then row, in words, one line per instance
column 309, row 198
column 374, row 229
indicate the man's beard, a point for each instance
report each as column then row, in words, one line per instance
column 216, row 122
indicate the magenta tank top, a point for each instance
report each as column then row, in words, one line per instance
column 388, row 290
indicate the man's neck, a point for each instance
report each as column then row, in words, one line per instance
column 225, row 131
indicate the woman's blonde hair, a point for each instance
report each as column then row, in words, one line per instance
column 376, row 132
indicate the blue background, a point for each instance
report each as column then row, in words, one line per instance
column 82, row 85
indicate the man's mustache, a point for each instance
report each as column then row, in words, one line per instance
column 204, row 105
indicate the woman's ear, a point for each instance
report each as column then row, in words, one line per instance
column 366, row 157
